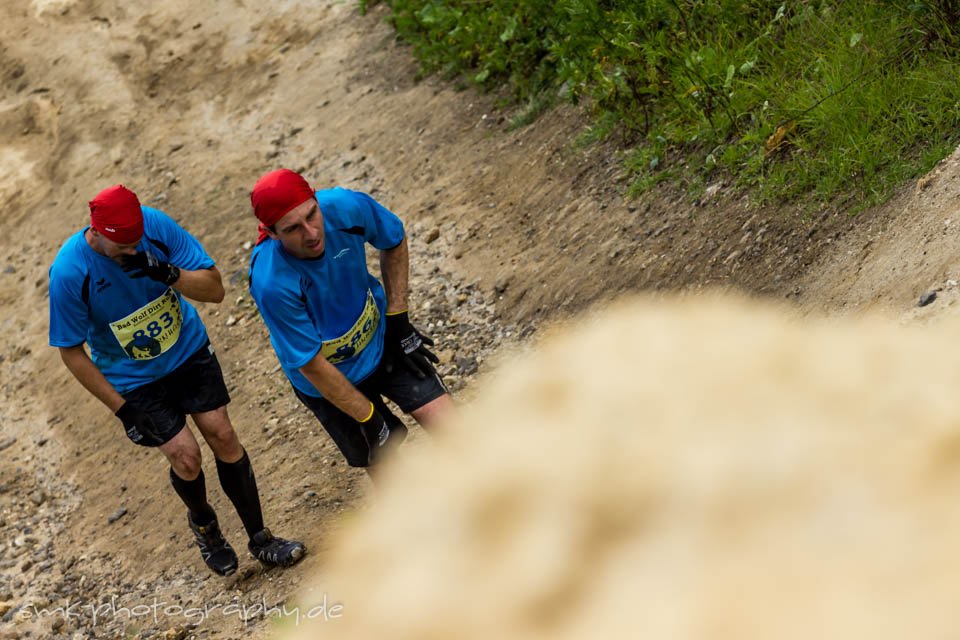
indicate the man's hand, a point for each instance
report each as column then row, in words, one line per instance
column 402, row 343
column 139, row 425
column 375, row 432
column 145, row 264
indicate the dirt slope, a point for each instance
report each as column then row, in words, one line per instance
column 187, row 103
column 898, row 253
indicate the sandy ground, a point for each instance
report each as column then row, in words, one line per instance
column 187, row 103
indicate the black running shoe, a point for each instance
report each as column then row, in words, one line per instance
column 215, row 550
column 275, row 552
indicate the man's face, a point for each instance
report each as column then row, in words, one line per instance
column 300, row 231
column 107, row 247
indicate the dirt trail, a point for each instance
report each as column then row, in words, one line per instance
column 187, row 103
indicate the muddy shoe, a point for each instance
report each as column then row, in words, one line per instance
column 275, row 552
column 215, row 550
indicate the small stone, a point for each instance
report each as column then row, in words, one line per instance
column 927, row 298
column 37, row 497
column 9, row 270
column 231, row 321
column 116, row 515
column 7, row 443
column 432, row 235
column 467, row 365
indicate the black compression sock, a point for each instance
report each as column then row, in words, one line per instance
column 240, row 485
column 194, row 495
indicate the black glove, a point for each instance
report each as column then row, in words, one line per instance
column 376, row 433
column 139, row 425
column 402, row 343
column 145, row 264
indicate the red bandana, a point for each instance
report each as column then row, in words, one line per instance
column 115, row 213
column 275, row 195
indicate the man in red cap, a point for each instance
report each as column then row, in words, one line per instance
column 343, row 340
column 121, row 286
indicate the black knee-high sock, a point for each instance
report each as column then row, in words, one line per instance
column 194, row 495
column 240, row 485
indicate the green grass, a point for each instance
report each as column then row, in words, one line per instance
column 867, row 93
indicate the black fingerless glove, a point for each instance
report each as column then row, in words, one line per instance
column 404, row 345
column 144, row 264
column 139, row 426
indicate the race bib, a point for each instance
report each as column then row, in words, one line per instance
column 357, row 338
column 152, row 329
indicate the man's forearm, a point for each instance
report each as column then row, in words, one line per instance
column 202, row 285
column 336, row 388
column 83, row 369
column 395, row 269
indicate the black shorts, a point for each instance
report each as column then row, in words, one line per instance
column 401, row 387
column 195, row 386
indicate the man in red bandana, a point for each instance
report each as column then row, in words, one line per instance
column 344, row 340
column 121, row 286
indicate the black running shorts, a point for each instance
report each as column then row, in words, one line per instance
column 196, row 386
column 401, row 387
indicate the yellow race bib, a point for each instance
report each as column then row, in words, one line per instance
column 357, row 338
column 152, row 329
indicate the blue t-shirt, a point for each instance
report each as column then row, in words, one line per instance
column 329, row 304
column 138, row 330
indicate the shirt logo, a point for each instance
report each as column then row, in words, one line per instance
column 341, row 252
column 102, row 284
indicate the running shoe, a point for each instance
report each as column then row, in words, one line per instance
column 214, row 549
column 273, row 551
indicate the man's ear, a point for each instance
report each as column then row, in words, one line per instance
column 270, row 232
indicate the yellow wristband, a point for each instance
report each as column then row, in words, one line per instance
column 396, row 313
column 370, row 415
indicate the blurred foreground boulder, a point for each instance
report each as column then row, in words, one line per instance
column 709, row 469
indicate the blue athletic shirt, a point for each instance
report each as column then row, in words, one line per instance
column 138, row 330
column 330, row 303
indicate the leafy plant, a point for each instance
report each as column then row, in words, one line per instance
column 789, row 99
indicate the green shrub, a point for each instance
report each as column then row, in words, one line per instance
column 791, row 99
